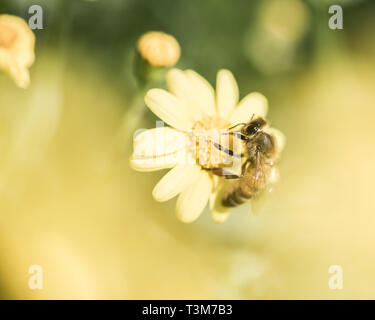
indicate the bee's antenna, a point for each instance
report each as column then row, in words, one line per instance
column 236, row 125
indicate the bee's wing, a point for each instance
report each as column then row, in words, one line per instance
column 263, row 196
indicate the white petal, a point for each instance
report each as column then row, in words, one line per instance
column 179, row 84
column 152, row 164
column 193, row 200
column 253, row 104
column 175, row 181
column 159, row 148
column 203, row 93
column 226, row 93
column 280, row 138
column 158, row 142
column 169, row 109
column 219, row 213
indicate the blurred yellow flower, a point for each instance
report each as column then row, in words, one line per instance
column 17, row 43
column 159, row 49
column 191, row 104
column 285, row 20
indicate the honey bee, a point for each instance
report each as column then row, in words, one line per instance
column 259, row 156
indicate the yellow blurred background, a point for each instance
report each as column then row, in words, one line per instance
column 73, row 206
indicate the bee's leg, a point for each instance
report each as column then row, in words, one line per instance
column 244, row 166
column 231, row 176
column 226, row 174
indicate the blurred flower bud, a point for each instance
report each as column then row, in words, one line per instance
column 272, row 42
column 159, row 49
column 156, row 51
column 285, row 20
column 17, row 43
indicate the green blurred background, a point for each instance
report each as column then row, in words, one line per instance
column 72, row 206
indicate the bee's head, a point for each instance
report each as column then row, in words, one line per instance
column 254, row 126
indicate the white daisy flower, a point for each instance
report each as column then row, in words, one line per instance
column 191, row 104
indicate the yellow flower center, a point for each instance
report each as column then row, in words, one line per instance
column 208, row 123
column 8, row 36
column 208, row 136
